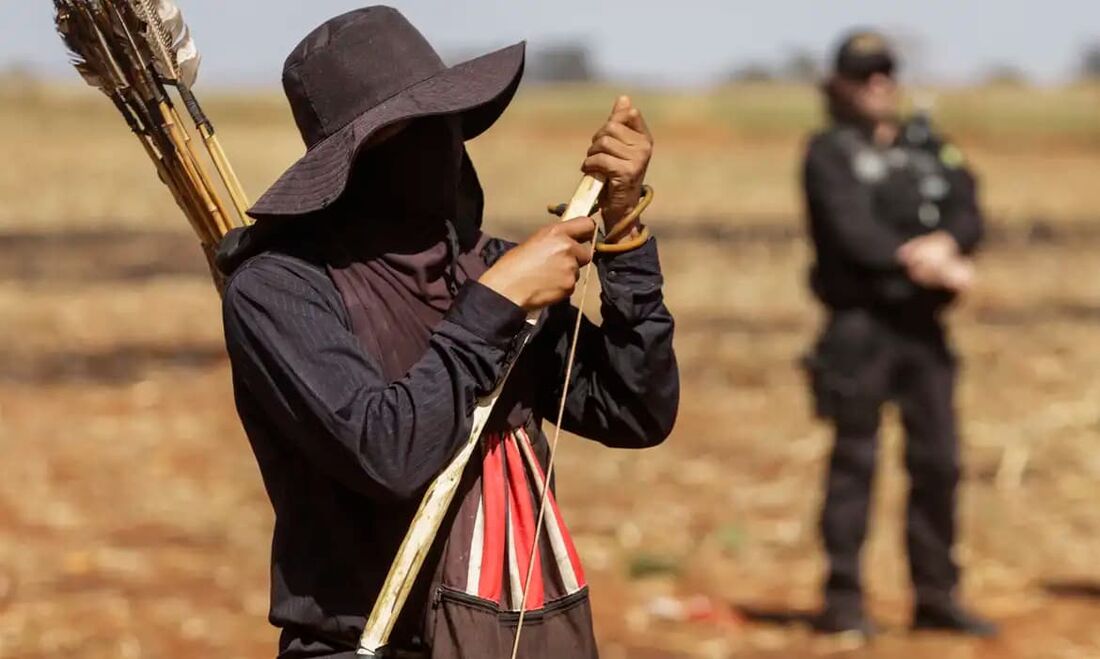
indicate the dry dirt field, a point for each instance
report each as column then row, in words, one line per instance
column 132, row 518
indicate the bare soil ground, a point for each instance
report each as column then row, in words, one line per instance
column 133, row 521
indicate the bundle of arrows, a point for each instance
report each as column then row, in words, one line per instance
column 135, row 52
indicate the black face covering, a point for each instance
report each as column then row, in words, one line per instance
column 412, row 177
column 397, row 257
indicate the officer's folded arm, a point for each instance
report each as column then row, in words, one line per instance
column 848, row 210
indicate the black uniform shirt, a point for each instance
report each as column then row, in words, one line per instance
column 864, row 202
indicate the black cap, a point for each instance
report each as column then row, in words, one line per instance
column 864, row 53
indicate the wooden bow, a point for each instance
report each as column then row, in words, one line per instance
column 437, row 500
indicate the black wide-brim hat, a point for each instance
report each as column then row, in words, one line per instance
column 361, row 72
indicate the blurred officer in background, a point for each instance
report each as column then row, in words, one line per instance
column 893, row 217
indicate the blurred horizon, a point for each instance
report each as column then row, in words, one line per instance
column 685, row 45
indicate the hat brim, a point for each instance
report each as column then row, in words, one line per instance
column 480, row 89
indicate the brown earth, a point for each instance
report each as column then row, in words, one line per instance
column 133, row 522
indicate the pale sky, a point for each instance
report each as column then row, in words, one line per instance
column 683, row 42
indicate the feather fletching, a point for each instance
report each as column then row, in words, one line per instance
column 179, row 36
column 83, row 51
column 169, row 38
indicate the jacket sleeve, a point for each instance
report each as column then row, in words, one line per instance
column 843, row 209
column 625, row 385
column 289, row 346
column 963, row 217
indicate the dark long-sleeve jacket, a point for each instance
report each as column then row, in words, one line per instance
column 865, row 202
column 345, row 454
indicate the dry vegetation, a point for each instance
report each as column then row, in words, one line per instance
column 133, row 521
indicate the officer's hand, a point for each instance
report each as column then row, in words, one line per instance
column 620, row 152
column 928, row 258
column 543, row 269
column 934, row 248
column 958, row 276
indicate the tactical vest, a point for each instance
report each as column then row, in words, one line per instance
column 909, row 181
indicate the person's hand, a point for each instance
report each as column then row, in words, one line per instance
column 958, row 275
column 929, row 258
column 620, row 153
column 543, row 270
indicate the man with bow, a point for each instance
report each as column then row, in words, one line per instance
column 365, row 315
